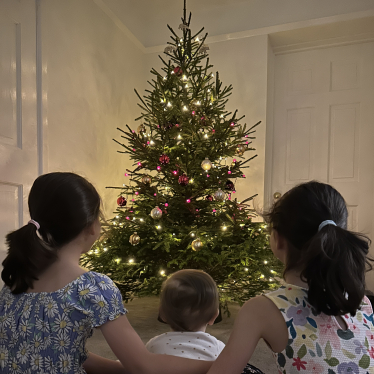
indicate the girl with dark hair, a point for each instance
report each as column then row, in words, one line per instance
column 50, row 305
column 320, row 321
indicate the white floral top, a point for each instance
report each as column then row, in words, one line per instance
column 46, row 332
column 316, row 342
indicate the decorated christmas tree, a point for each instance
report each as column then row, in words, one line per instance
column 177, row 209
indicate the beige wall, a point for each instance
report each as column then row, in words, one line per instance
column 242, row 63
column 90, row 71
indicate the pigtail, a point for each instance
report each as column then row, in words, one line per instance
column 28, row 256
column 335, row 264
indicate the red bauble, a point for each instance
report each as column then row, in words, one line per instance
column 183, row 180
column 164, row 159
column 209, row 198
column 178, row 71
column 229, row 185
column 122, row 201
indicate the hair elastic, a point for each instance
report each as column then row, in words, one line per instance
column 35, row 223
column 325, row 223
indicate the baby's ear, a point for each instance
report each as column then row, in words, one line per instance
column 210, row 323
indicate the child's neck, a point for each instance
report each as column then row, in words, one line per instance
column 202, row 329
column 293, row 277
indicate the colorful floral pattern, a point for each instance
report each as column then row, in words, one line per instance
column 46, row 332
column 317, row 343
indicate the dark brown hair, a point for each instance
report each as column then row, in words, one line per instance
column 189, row 300
column 63, row 204
column 332, row 260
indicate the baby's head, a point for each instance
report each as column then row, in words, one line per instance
column 189, row 300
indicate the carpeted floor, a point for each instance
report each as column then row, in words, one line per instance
column 143, row 317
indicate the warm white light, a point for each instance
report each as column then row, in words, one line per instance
column 105, row 249
column 179, row 137
column 272, row 271
column 165, row 78
column 117, row 216
column 245, row 269
column 185, row 108
column 192, row 234
column 198, row 103
column 262, row 276
column 118, row 260
column 224, row 228
column 131, row 261
column 162, row 272
column 158, row 227
column 191, row 180
column 169, row 104
column 141, row 219
column 206, row 135
column 151, row 142
column 90, row 252
column 265, row 262
column 184, row 78
column 197, row 39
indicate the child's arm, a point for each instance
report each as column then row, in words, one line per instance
column 98, row 365
column 135, row 358
column 258, row 318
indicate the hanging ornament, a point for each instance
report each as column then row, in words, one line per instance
column 219, row 195
column 167, row 126
column 169, row 49
column 122, row 201
column 178, row 71
column 134, row 239
column 197, row 244
column 183, row 180
column 164, row 159
column 141, row 129
column 206, row 164
column 209, row 198
column 183, row 26
column 156, row 213
column 146, row 179
column 203, row 49
column 240, row 149
column 229, row 185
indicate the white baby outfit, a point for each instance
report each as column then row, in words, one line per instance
column 195, row 345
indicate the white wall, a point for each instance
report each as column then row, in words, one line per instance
column 90, row 70
column 242, row 63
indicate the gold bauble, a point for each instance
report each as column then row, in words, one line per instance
column 146, row 179
column 206, row 164
column 156, row 213
column 219, row 195
column 197, row 244
column 134, row 239
column 141, row 129
column 241, row 148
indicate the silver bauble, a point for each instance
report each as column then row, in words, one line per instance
column 134, row 239
column 206, row 164
column 219, row 195
column 156, row 213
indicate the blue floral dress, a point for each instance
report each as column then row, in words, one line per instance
column 46, row 332
column 316, row 342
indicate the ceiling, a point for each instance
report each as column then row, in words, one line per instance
column 147, row 19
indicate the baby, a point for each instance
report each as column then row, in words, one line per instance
column 189, row 302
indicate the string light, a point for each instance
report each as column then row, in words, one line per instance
column 185, row 108
column 158, row 227
column 192, row 234
column 162, row 272
column 265, row 262
column 105, row 249
column 224, row 228
column 245, row 269
column 184, row 78
column 118, row 260
column 169, row 104
column 131, row 261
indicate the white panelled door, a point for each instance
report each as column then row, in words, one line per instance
column 324, row 126
column 18, row 124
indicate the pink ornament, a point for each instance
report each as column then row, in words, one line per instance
column 136, row 193
column 246, row 142
column 139, row 164
column 229, row 172
column 175, row 172
column 133, row 131
column 213, row 131
column 126, row 174
column 158, row 168
column 232, row 124
column 166, row 204
column 207, row 175
column 132, row 199
column 234, row 160
column 193, row 112
column 246, row 136
column 176, row 125
column 148, row 142
column 243, row 176
column 197, row 210
column 233, row 191
column 154, row 194
column 133, row 149
column 127, row 218
column 214, row 210
column 188, row 201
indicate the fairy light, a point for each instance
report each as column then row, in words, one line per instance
column 224, row 228
column 169, row 104
column 131, row 261
column 186, row 86
column 262, row 276
column 197, row 39
column 158, row 227
column 141, row 219
column 192, row 234
column 105, row 249
column 206, row 135
column 245, row 269
column 179, row 137
column 90, row 252
column 184, row 78
column 185, row 108
column 166, row 204
column 191, row 180
column 162, row 272
column 158, row 168
column 272, row 271
column 139, row 164
column 151, row 142
column 265, row 262
column 118, row 260
column 198, row 103
column 188, row 201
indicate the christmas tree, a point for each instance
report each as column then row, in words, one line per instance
column 177, row 209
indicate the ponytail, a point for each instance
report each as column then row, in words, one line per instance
column 312, row 217
column 28, row 256
column 63, row 205
column 335, row 263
